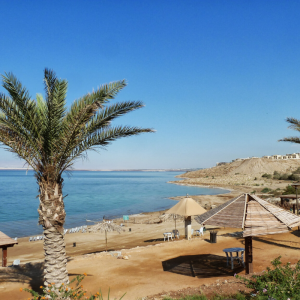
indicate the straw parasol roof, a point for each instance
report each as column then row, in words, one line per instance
column 186, row 207
column 254, row 215
column 6, row 241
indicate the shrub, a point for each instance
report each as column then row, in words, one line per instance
column 50, row 292
column 289, row 190
column 268, row 176
column 284, row 177
column 266, row 190
column 277, row 176
column 255, row 178
column 294, row 177
column 276, row 173
column 297, row 171
column 280, row 282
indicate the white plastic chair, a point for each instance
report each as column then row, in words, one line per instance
column 30, row 239
column 168, row 235
column 16, row 262
column 199, row 232
column 175, row 233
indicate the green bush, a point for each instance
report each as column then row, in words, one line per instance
column 284, row 177
column 266, row 190
column 268, row 176
column 50, row 292
column 289, row 190
column 277, row 176
column 276, row 173
column 297, row 171
column 280, row 282
column 294, row 177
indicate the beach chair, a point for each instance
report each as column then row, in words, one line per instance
column 175, row 233
column 15, row 238
column 199, row 232
column 168, row 235
column 16, row 262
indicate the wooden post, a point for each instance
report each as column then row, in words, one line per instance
column 4, row 256
column 248, row 255
column 187, row 225
column 294, row 208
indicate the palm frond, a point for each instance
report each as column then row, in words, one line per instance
column 291, row 139
column 102, row 139
column 55, row 112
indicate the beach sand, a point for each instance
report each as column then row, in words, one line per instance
column 152, row 266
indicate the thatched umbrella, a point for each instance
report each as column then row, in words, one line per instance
column 254, row 215
column 105, row 226
column 5, row 242
column 187, row 207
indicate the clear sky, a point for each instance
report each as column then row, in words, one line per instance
column 218, row 78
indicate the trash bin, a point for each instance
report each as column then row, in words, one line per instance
column 213, row 236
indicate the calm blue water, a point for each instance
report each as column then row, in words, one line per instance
column 91, row 195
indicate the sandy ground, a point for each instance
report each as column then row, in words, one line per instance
column 154, row 267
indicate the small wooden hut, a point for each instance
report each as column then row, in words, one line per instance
column 254, row 215
column 5, row 242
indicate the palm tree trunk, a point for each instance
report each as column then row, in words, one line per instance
column 52, row 217
column 55, row 269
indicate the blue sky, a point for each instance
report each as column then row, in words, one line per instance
column 218, row 78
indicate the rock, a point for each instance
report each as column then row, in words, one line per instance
column 125, row 257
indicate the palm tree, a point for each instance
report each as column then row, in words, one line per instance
column 294, row 124
column 50, row 138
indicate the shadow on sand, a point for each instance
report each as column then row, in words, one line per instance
column 30, row 273
column 201, row 266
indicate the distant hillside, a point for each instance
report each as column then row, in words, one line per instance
column 251, row 166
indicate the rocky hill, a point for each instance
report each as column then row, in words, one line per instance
column 251, row 166
column 242, row 176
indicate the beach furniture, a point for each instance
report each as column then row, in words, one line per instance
column 30, row 239
column 125, row 218
column 255, row 216
column 5, row 242
column 175, row 233
column 229, row 254
column 200, row 231
column 168, row 235
column 187, row 207
column 16, row 262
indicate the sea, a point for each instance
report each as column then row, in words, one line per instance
column 89, row 195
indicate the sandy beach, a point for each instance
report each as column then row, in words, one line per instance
column 146, row 270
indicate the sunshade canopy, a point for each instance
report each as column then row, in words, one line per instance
column 186, row 207
column 6, row 241
column 254, row 215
